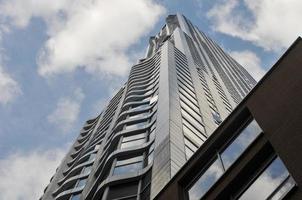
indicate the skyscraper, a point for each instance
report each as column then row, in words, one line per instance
column 174, row 99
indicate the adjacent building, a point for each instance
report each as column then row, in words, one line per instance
column 174, row 100
column 255, row 154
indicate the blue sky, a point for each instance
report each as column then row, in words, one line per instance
column 61, row 60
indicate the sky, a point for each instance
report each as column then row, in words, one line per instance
column 62, row 60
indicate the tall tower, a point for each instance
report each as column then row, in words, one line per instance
column 174, row 99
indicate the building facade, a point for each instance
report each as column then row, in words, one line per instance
column 173, row 101
column 255, row 153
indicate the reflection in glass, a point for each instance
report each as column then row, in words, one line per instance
column 92, row 156
column 141, row 107
column 81, row 183
column 136, row 126
column 125, row 169
column 236, row 148
column 208, row 178
column 132, row 143
column 268, row 181
column 133, row 137
column 75, row 197
column 87, row 169
column 128, row 165
column 138, row 115
column 287, row 185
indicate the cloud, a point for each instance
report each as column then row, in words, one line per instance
column 9, row 88
column 66, row 112
column 272, row 25
column 25, row 175
column 250, row 61
column 94, row 35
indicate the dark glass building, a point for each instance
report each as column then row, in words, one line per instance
column 255, row 154
column 174, row 100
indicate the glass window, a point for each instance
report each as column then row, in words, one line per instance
column 207, row 179
column 268, row 181
column 236, row 148
column 92, row 156
column 216, row 118
column 140, row 107
column 75, row 197
column 133, row 137
column 138, row 115
column 136, row 126
column 125, row 169
column 129, row 160
column 81, row 183
column 285, row 187
column 87, row 169
column 132, row 143
column 153, row 99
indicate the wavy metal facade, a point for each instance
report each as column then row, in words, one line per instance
column 173, row 100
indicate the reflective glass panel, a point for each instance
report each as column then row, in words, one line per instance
column 141, row 107
column 207, row 179
column 81, row 183
column 129, row 161
column 133, row 137
column 236, row 148
column 75, row 197
column 132, row 143
column 125, row 169
column 267, row 182
column 92, row 156
column 136, row 126
column 87, row 170
column 284, row 189
column 138, row 115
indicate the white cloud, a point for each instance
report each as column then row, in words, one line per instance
column 9, row 88
column 90, row 34
column 250, row 61
column 272, row 25
column 66, row 112
column 25, row 175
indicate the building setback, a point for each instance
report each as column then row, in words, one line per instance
column 256, row 152
column 173, row 101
